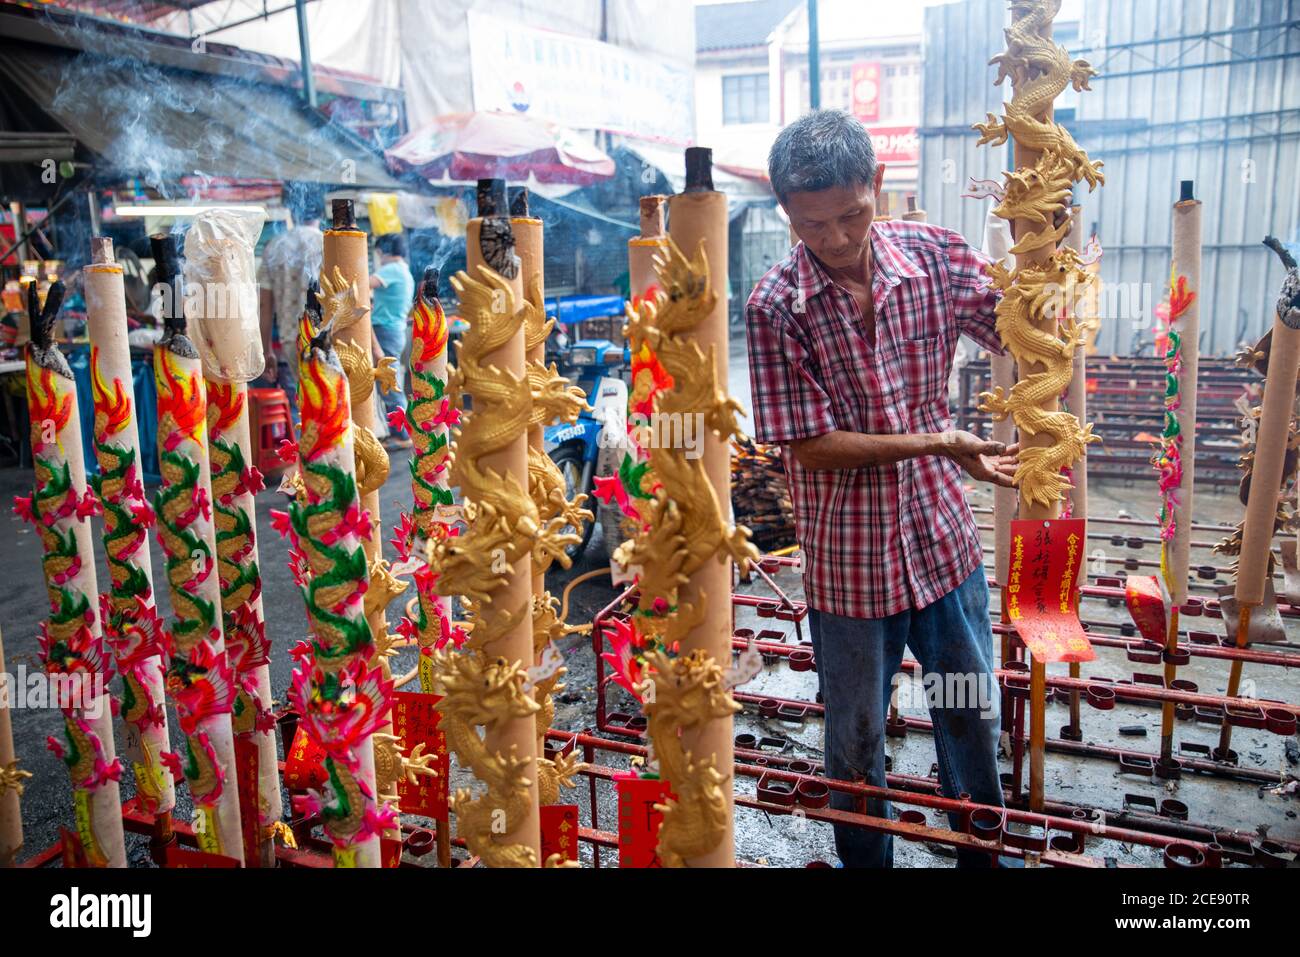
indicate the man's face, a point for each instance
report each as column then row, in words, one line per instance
column 835, row 223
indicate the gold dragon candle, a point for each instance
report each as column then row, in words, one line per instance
column 1034, row 326
column 71, row 641
column 132, row 628
column 200, row 677
column 554, row 400
column 684, row 554
column 490, row 564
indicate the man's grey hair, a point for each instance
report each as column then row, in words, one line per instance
column 824, row 149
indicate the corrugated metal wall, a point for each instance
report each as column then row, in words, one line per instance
column 956, row 90
column 1157, row 115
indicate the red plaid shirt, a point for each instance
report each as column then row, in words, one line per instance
column 881, row 539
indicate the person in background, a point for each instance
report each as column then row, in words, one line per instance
column 392, row 290
column 290, row 263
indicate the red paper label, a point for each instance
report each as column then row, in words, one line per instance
column 1146, row 604
column 1040, row 596
column 177, row 856
column 304, row 765
column 250, row 813
column 74, row 855
column 415, row 721
column 390, row 852
column 559, row 831
column 638, row 821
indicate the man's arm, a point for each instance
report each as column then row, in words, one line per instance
column 974, row 298
column 982, row 460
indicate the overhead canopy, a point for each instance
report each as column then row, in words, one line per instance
column 159, row 123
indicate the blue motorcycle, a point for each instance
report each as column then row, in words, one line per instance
column 601, row 369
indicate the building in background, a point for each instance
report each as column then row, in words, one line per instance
column 752, row 78
column 1206, row 90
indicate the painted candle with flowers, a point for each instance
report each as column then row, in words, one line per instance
column 342, row 699
column 133, row 630
column 427, row 420
column 71, row 641
column 199, row 677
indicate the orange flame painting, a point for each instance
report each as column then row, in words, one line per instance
column 323, row 399
column 229, row 403
column 47, row 404
column 180, row 395
column 114, row 404
column 429, row 335
column 1180, row 300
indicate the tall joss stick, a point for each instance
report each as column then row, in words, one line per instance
column 1177, row 461
column 490, row 565
column 1076, row 403
column 341, row 695
column 199, row 676
column 11, row 783
column 1036, row 201
column 684, row 554
column 71, row 640
column 132, row 628
column 554, row 399
column 1275, row 441
column 219, row 254
column 345, row 277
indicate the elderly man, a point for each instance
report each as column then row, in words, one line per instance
column 851, row 342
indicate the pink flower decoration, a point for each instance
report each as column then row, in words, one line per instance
column 287, row 450
column 397, row 420
column 280, row 522
column 252, row 480
column 23, row 508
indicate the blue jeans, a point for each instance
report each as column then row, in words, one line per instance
column 392, row 339
column 856, row 662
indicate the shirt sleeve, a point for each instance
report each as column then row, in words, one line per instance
column 974, row 298
column 789, row 403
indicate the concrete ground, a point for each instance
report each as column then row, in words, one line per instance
column 760, row 837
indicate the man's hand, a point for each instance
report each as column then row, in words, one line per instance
column 982, row 460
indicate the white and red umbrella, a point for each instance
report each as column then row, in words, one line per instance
column 464, row 147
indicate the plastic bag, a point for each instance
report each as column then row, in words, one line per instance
column 222, row 295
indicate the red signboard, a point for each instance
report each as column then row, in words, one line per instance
column 895, row 144
column 304, row 765
column 1146, row 603
column 559, row 831
column 638, row 821
column 1040, row 596
column 866, row 91
column 415, row 721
